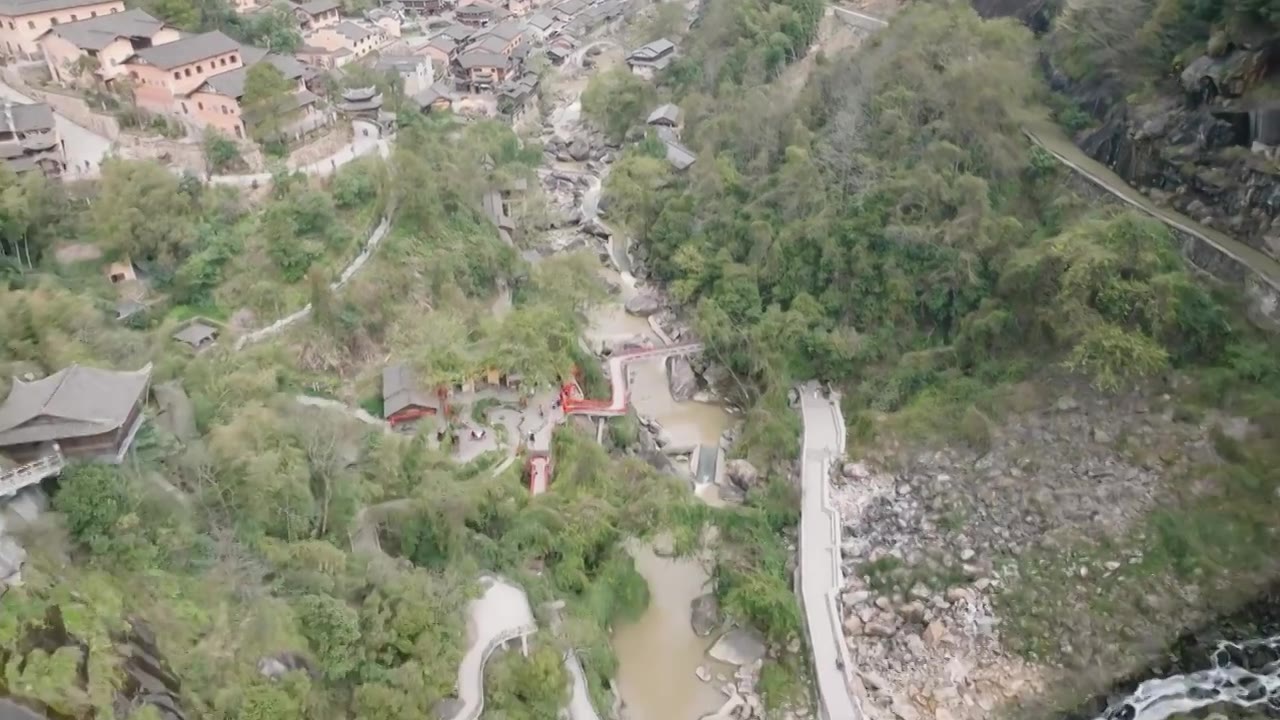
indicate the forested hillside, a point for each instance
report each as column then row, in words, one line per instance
column 893, row 231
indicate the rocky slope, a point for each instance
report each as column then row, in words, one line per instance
column 935, row 538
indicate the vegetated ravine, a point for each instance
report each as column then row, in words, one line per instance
column 1212, row 666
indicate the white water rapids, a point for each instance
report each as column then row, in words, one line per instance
column 1245, row 674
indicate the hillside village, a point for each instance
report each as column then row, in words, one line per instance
column 126, row 75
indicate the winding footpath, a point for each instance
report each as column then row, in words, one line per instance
column 820, row 575
column 1259, row 273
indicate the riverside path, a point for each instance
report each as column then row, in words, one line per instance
column 820, row 575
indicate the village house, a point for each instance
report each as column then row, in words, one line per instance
column 542, row 26
column 437, row 98
column 402, row 401
column 165, row 74
column 518, row 7
column 427, row 7
column 477, row 14
column 322, row 58
column 650, row 59
column 29, row 139
column 97, row 48
column 242, row 7
column 504, row 37
column 316, row 14
column 355, row 38
column 568, row 10
column 442, row 51
column 483, row 71
column 680, row 157
column 22, row 22
column 667, row 115
column 216, row 103
column 415, row 71
column 457, row 32
column 197, row 336
column 80, row 411
column 518, row 95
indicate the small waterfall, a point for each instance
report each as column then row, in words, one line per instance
column 1244, row 674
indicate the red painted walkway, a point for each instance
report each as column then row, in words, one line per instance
column 616, row 405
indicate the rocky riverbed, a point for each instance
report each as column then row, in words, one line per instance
column 933, row 537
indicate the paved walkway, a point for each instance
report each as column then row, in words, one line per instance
column 500, row 615
column 1050, row 137
column 821, row 578
column 616, row 405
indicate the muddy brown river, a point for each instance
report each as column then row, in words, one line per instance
column 659, row 653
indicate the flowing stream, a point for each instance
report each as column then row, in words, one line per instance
column 1244, row 674
column 658, row 653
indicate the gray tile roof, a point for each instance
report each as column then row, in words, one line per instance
column 187, row 50
column 653, row 50
column 231, row 83
column 540, row 21
column 507, row 30
column 480, row 58
column 400, row 391
column 665, row 114
column 315, row 7
column 432, row 94
column 479, row 7
column 399, row 63
column 457, row 31
column 679, row 156
column 571, row 7
column 18, row 118
column 489, row 44
column 443, row 43
column 96, row 33
column 352, row 31
column 74, row 402
column 195, row 334
column 15, row 8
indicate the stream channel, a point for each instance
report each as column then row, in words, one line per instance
column 659, row 652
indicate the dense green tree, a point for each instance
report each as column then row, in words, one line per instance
column 526, row 688
column 141, row 212
column 617, row 101
column 267, row 102
column 333, row 629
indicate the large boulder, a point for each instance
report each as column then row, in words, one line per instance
column 579, row 149
column 742, row 473
column 643, row 305
column 595, row 227
column 681, row 378
column 704, row 614
column 716, row 376
column 740, row 646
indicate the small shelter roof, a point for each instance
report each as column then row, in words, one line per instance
column 76, row 401
column 400, row 391
column 196, row 334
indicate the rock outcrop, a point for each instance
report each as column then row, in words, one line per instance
column 740, row 646
column 681, row 378
column 742, row 474
column 643, row 305
column 704, row 615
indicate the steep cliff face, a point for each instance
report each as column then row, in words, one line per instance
column 1035, row 14
column 1203, row 144
column 1193, row 161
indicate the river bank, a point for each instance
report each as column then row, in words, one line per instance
column 1230, row 665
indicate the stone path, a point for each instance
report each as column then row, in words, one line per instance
column 821, row 578
column 1261, row 273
